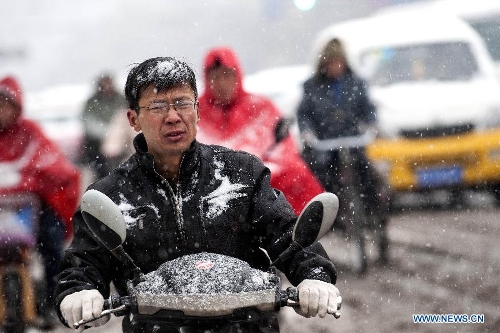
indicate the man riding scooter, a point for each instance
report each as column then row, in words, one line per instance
column 180, row 197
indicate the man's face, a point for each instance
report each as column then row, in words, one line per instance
column 222, row 84
column 8, row 113
column 168, row 133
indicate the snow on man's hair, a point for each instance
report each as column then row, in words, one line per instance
column 163, row 72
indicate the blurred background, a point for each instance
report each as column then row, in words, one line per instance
column 443, row 258
column 58, row 49
column 55, row 42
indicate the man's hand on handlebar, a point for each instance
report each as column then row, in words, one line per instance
column 317, row 298
column 83, row 305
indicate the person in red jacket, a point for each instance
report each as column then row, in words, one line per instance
column 31, row 163
column 234, row 118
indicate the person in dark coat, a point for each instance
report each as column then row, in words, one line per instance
column 179, row 197
column 97, row 116
column 336, row 104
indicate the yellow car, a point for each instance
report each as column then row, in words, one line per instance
column 463, row 160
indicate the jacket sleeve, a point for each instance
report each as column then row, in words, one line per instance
column 275, row 221
column 86, row 264
column 366, row 109
column 305, row 109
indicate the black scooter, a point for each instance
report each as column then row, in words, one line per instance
column 203, row 288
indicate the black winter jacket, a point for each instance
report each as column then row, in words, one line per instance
column 223, row 203
column 330, row 116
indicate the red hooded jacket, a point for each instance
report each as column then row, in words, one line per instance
column 248, row 123
column 29, row 162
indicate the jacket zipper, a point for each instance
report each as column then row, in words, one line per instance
column 177, row 202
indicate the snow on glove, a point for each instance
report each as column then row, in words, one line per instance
column 85, row 304
column 317, row 298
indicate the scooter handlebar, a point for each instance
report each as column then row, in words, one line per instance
column 117, row 305
column 122, row 305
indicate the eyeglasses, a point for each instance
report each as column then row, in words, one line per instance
column 180, row 106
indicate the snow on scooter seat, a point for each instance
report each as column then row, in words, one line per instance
column 205, row 273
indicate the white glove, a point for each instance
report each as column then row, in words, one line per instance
column 318, row 298
column 85, row 304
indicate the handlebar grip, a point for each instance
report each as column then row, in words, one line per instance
column 114, row 301
column 293, row 294
column 107, row 304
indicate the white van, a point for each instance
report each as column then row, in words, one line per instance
column 482, row 15
column 437, row 97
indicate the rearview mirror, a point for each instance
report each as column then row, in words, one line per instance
column 106, row 221
column 104, row 218
column 316, row 219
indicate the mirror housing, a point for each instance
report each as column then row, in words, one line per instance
column 106, row 221
column 315, row 220
column 104, row 218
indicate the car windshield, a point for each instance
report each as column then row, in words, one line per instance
column 490, row 32
column 424, row 62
